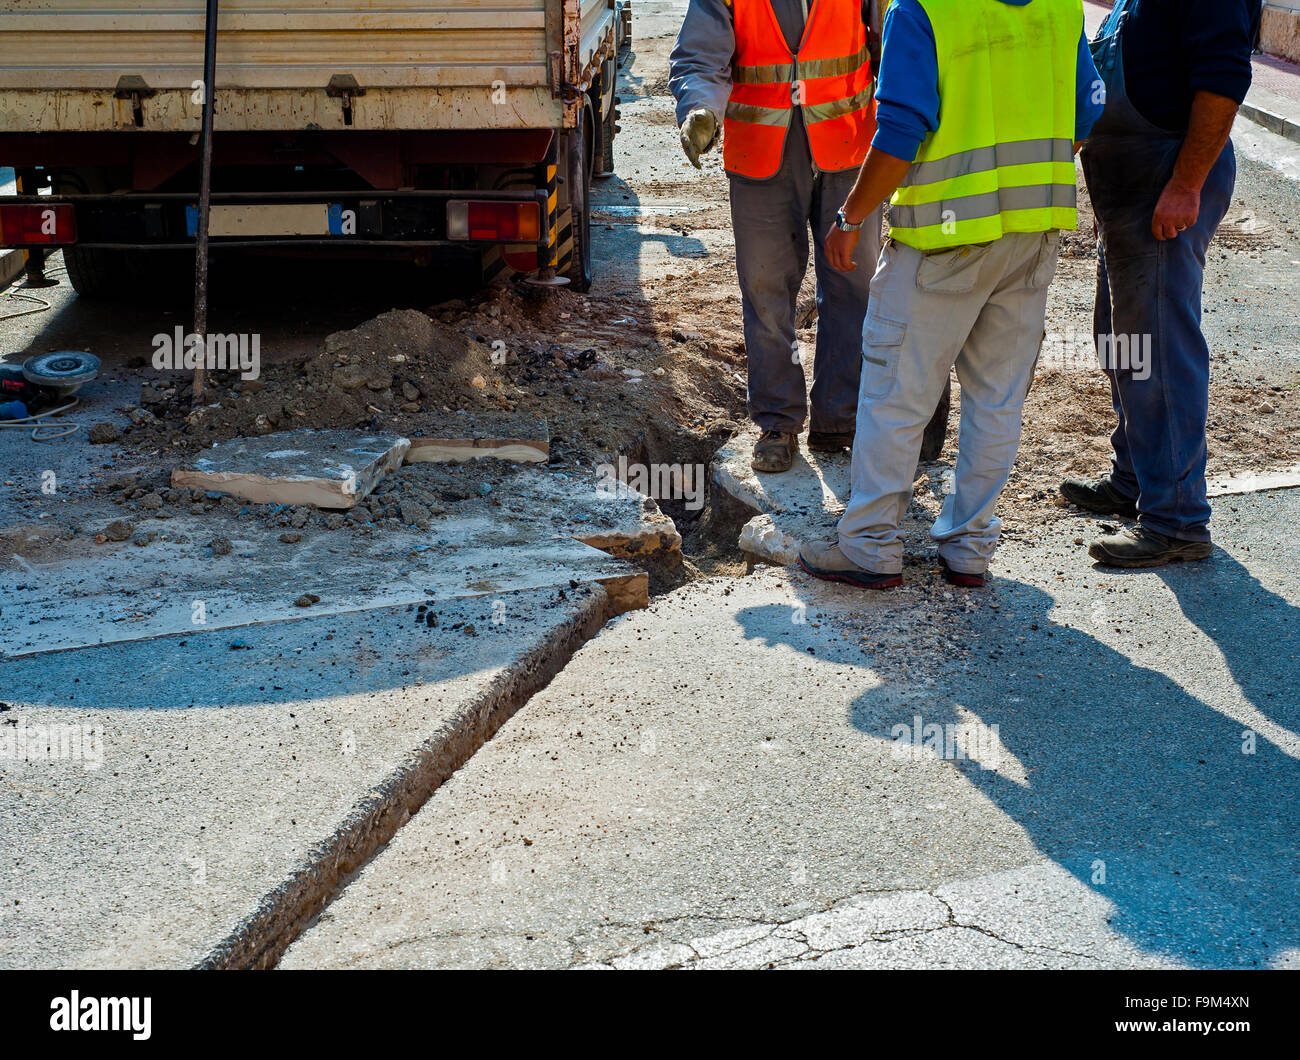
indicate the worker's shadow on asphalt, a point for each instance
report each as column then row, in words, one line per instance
column 1180, row 816
column 1257, row 631
column 620, row 239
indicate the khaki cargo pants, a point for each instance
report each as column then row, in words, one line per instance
column 981, row 308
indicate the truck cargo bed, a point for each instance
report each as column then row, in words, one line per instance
column 72, row 65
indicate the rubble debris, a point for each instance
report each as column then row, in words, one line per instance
column 103, row 433
column 119, row 530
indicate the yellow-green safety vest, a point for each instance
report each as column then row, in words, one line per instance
column 1002, row 159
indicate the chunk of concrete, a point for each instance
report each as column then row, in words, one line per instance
column 325, row 469
column 519, row 439
column 458, row 450
column 790, row 509
column 761, row 537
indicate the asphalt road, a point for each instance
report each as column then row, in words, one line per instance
column 721, row 782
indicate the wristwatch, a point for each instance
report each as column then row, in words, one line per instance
column 841, row 222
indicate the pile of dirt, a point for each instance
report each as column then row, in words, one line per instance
column 605, row 377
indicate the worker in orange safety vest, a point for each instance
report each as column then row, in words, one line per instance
column 788, row 84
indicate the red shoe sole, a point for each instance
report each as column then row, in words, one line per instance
column 960, row 580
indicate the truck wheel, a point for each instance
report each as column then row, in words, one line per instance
column 95, row 272
column 141, row 275
column 578, row 184
column 936, row 431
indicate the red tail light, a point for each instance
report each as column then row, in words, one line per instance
column 29, row 226
column 494, row 221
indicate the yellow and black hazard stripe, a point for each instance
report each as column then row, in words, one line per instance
column 560, row 222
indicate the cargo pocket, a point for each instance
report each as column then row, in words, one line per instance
column 951, row 271
column 1044, row 268
column 882, row 343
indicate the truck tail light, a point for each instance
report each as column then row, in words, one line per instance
column 494, row 221
column 40, row 225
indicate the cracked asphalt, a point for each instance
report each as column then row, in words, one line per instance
column 730, row 779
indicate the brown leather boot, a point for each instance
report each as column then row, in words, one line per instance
column 1143, row 547
column 774, row 451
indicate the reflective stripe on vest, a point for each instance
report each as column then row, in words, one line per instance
column 990, row 204
column 1002, row 159
column 831, row 76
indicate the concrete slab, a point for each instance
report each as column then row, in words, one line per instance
column 11, row 266
column 1240, row 482
column 516, row 528
column 222, row 786
column 121, row 593
column 731, row 779
column 520, row 439
column 325, row 469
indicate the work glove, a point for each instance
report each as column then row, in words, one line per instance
column 699, row 130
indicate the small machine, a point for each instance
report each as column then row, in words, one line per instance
column 43, row 382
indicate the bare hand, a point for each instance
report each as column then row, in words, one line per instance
column 839, row 248
column 1177, row 210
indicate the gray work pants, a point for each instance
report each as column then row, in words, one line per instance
column 983, row 309
column 771, row 220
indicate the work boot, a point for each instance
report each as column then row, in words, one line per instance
column 774, row 451
column 959, row 578
column 1100, row 497
column 1143, row 547
column 830, row 441
column 826, row 561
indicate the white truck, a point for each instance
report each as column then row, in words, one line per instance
column 348, row 127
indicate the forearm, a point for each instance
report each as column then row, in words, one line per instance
column 699, row 68
column 880, row 176
column 1207, row 133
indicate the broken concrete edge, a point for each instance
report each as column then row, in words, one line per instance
column 266, row 489
column 1253, row 482
column 627, row 592
column 283, row 914
column 460, row 450
column 660, row 540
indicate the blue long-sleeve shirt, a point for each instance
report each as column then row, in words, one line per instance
column 907, row 86
column 1176, row 48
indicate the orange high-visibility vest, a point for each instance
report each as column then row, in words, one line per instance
column 830, row 78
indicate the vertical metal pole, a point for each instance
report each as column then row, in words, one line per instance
column 205, row 198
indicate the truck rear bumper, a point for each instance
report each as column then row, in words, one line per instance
column 153, row 220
